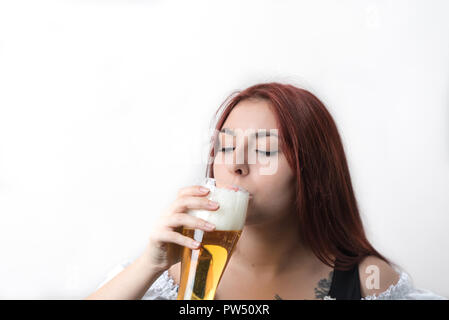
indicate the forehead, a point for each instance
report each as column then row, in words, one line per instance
column 251, row 114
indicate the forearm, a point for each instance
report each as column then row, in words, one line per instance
column 130, row 284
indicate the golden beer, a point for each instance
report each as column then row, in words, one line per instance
column 201, row 269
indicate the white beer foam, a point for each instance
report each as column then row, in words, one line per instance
column 231, row 214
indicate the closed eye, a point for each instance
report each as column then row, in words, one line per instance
column 265, row 153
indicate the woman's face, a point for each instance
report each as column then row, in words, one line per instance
column 255, row 163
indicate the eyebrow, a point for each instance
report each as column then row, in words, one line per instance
column 255, row 134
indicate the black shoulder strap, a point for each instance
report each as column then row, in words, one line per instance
column 346, row 284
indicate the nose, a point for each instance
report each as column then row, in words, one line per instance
column 238, row 165
column 241, row 171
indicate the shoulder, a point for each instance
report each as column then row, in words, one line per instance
column 376, row 276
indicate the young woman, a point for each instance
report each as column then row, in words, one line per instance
column 303, row 237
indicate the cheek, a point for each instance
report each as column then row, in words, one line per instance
column 282, row 179
column 278, row 190
column 276, row 193
column 219, row 170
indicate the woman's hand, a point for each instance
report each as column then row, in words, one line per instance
column 166, row 241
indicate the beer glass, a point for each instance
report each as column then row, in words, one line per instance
column 202, row 268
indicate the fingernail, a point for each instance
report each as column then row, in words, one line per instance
column 204, row 190
column 212, row 204
column 209, row 225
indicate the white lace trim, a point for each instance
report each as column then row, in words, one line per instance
column 402, row 290
column 164, row 288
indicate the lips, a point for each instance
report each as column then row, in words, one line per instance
column 236, row 188
column 231, row 187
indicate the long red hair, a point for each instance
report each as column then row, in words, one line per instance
column 329, row 219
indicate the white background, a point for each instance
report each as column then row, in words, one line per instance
column 105, row 107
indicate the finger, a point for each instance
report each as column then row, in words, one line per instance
column 187, row 203
column 193, row 191
column 177, row 238
column 190, row 222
